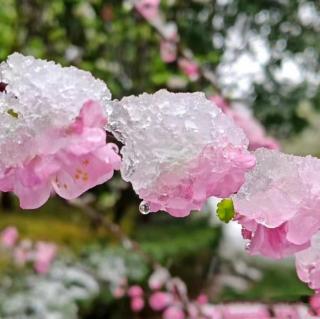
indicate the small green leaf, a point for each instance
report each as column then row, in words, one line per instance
column 225, row 210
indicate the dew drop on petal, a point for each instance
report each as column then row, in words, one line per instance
column 144, row 208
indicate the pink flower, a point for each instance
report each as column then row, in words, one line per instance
column 78, row 160
column 178, row 150
column 189, row 68
column 44, row 256
column 160, row 300
column 254, row 131
column 137, row 304
column 174, row 312
column 9, row 237
column 135, row 291
column 280, row 194
column 149, row 9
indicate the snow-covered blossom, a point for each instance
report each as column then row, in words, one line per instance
column 280, row 195
column 253, row 129
column 52, row 136
column 178, row 150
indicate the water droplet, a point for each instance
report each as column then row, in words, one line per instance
column 144, row 208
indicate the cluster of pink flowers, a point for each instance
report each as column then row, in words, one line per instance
column 169, row 296
column 149, row 9
column 40, row 254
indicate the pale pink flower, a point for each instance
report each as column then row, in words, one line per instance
column 245, row 311
column 168, row 44
column 189, row 68
column 137, row 304
column 160, row 300
column 178, row 150
column 135, row 291
column 254, row 131
column 158, row 278
column 174, row 312
column 168, row 51
column 9, row 237
column 149, row 9
column 280, row 194
column 44, row 256
column 78, row 160
column 118, row 292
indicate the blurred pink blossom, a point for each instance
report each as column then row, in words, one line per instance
column 254, row 131
column 135, row 291
column 315, row 303
column 44, row 256
column 158, row 278
column 78, row 160
column 23, row 252
column 149, row 9
column 189, row 68
column 245, row 311
column 160, row 300
column 9, row 237
column 137, row 304
column 168, row 51
column 202, row 299
column 174, row 312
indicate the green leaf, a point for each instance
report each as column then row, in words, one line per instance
column 225, row 210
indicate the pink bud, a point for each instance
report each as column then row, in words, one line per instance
column 189, row 68
column 160, row 300
column 173, row 312
column 135, row 291
column 9, row 237
column 137, row 304
column 202, row 299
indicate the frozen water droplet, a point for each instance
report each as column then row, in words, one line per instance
column 144, row 208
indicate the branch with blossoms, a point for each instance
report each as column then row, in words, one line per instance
column 172, row 50
column 178, row 150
